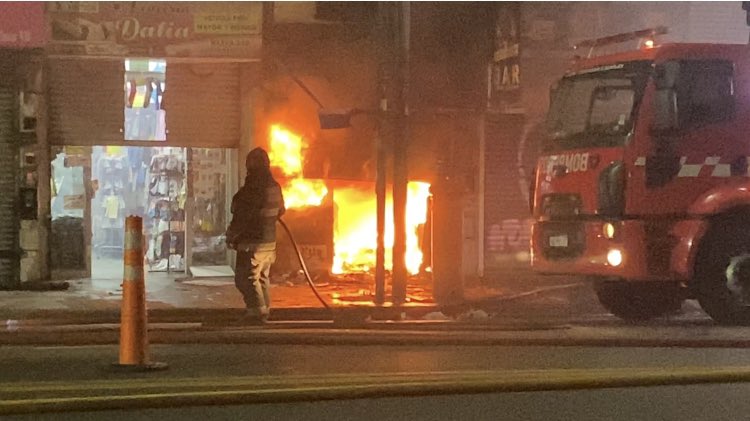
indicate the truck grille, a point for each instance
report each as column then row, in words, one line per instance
column 562, row 240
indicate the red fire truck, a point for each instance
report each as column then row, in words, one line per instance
column 644, row 182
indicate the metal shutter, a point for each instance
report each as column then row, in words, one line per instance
column 9, row 256
column 203, row 104
column 86, row 102
column 506, row 210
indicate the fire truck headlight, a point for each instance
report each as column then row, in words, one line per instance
column 609, row 231
column 614, row 257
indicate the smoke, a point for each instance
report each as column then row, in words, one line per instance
column 342, row 74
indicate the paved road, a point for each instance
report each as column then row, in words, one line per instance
column 78, row 366
column 680, row 403
column 84, row 372
column 25, row 363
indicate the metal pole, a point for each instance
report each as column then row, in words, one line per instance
column 482, row 128
column 380, row 186
column 400, row 164
column 384, row 32
column 482, row 168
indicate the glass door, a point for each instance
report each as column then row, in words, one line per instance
column 212, row 184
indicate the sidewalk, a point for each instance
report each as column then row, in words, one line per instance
column 175, row 298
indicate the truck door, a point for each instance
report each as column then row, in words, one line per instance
column 693, row 137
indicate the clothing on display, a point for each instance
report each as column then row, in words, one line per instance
column 96, row 188
column 166, row 210
column 111, row 169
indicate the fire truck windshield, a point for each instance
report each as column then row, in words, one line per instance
column 595, row 107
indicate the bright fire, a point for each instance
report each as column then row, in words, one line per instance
column 285, row 152
column 355, row 219
column 355, row 231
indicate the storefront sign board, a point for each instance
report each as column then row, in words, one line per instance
column 156, row 29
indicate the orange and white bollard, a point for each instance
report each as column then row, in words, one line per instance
column 133, row 316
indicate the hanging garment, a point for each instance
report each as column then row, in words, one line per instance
column 153, row 187
column 132, row 89
column 163, row 186
column 158, row 164
column 149, row 92
column 158, row 246
column 112, row 207
column 159, row 94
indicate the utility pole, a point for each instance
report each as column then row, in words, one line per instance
column 384, row 74
column 400, row 149
column 394, row 132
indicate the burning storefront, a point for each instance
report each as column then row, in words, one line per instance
column 334, row 220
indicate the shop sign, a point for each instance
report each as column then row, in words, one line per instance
column 22, row 25
column 156, row 29
column 316, row 256
column 505, row 68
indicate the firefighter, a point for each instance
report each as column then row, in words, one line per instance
column 252, row 233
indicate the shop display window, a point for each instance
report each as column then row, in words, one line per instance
column 209, row 219
column 68, row 187
column 145, row 83
column 182, row 194
column 147, row 182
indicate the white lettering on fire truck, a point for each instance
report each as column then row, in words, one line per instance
column 572, row 162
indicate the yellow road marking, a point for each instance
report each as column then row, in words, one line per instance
column 266, row 389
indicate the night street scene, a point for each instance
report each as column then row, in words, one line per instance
column 374, row 210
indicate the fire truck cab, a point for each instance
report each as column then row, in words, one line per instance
column 644, row 180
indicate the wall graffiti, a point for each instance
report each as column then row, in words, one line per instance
column 509, row 236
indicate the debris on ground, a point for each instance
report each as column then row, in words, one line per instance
column 474, row 315
column 435, row 315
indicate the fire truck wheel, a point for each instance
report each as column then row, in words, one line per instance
column 722, row 273
column 639, row 301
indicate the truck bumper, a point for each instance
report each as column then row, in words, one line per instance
column 628, row 254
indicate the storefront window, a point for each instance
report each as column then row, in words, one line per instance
column 69, row 202
column 210, row 174
column 147, row 182
column 145, row 82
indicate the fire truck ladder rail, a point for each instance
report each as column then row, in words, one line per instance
column 620, row 38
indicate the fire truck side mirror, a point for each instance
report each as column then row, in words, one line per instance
column 746, row 8
column 665, row 98
column 665, row 75
column 665, row 111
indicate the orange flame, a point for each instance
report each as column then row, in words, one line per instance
column 355, row 233
column 355, row 219
column 285, row 151
column 300, row 192
column 286, row 154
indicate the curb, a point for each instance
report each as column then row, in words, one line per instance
column 202, row 315
column 568, row 336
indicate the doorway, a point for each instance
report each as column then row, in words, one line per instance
column 182, row 194
column 150, row 182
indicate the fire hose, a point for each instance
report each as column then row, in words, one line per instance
column 302, row 264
